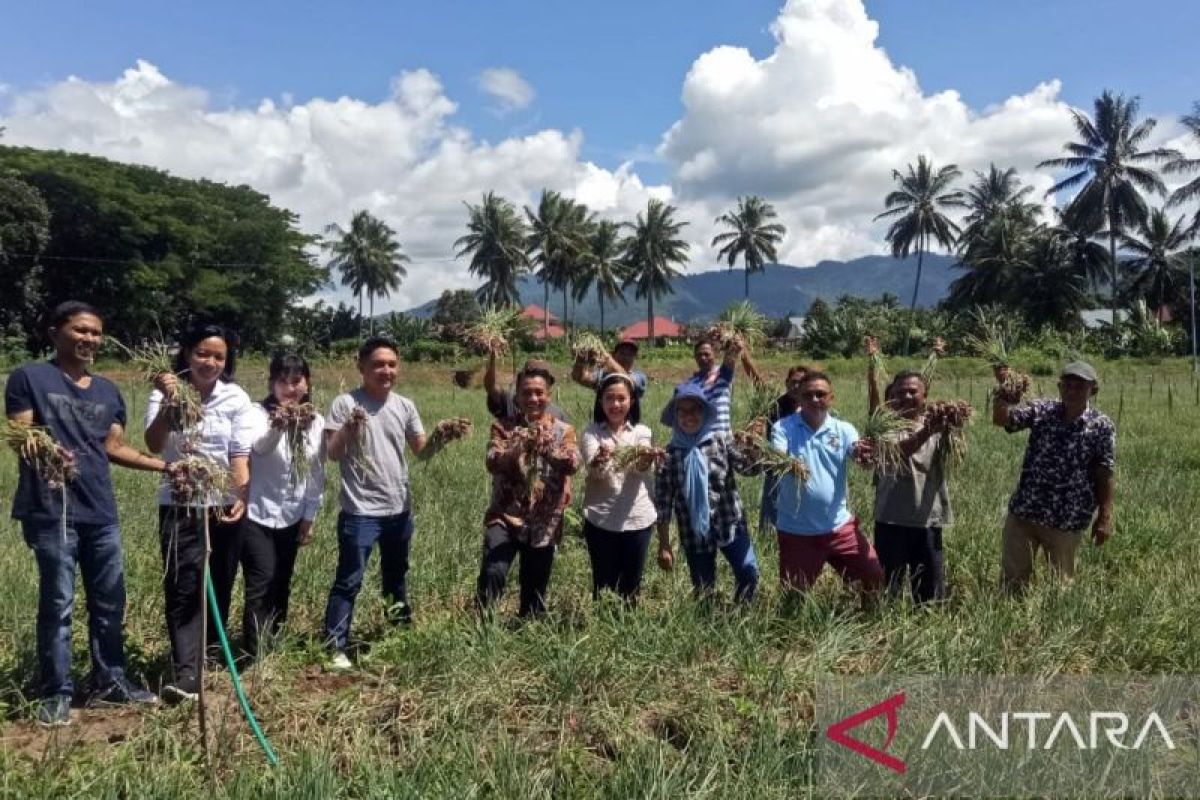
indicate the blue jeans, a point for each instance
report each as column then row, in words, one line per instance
column 357, row 536
column 740, row 555
column 97, row 551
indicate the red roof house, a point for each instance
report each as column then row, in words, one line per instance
column 663, row 328
column 547, row 323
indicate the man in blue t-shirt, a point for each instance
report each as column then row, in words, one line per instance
column 814, row 523
column 75, row 522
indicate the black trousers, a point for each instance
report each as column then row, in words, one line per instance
column 618, row 560
column 181, row 541
column 916, row 551
column 500, row 549
column 268, row 560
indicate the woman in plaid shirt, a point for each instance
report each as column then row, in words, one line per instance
column 696, row 483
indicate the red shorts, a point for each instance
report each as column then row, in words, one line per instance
column 801, row 558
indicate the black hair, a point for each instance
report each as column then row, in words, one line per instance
column 701, row 342
column 534, row 372
column 903, row 376
column 286, row 365
column 62, row 313
column 799, row 369
column 635, row 404
column 373, row 343
column 814, row 376
column 198, row 334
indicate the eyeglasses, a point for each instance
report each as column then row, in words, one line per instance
column 814, row 395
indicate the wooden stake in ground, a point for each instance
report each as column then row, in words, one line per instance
column 201, row 702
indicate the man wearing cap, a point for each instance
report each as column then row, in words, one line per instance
column 620, row 362
column 1066, row 476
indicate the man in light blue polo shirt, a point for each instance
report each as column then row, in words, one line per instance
column 814, row 524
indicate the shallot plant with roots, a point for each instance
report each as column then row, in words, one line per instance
column 929, row 368
column 637, row 456
column 445, row 432
column 884, row 431
column 360, row 448
column 771, row 463
column 197, row 480
column 876, row 358
column 185, row 409
column 295, row 420
column 590, row 349
column 951, row 417
column 54, row 464
column 494, row 331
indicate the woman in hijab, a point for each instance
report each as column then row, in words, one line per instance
column 696, row 483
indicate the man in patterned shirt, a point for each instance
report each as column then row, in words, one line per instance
column 1067, row 474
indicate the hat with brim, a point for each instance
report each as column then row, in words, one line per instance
column 687, row 391
column 1082, row 370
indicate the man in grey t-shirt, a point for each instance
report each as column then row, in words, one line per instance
column 366, row 431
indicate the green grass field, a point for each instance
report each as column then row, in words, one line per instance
column 675, row 699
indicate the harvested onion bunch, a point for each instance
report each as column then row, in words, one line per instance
column 447, row 431
column 951, row 417
column 884, row 431
column 628, row 457
column 590, row 349
column 1013, row 387
column 54, row 464
column 295, row 420
column 197, row 480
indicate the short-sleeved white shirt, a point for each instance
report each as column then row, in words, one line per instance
column 226, row 430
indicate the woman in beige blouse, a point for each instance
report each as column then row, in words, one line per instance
column 618, row 502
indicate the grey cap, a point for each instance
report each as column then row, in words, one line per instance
column 1082, row 370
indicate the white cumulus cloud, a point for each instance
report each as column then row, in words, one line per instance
column 816, row 127
column 506, row 87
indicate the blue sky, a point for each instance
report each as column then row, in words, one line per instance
column 611, row 68
column 696, row 102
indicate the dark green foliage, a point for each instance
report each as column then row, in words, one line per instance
column 155, row 251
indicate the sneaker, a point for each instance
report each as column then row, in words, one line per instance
column 54, row 712
column 184, row 691
column 399, row 613
column 122, row 692
column 339, row 662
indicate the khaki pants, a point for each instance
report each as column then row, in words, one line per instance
column 1022, row 538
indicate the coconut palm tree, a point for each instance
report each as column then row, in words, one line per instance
column 368, row 257
column 1191, row 189
column 554, row 242
column 495, row 240
column 1086, row 256
column 1108, row 164
column 918, row 205
column 995, row 258
column 652, row 251
column 1158, row 267
column 603, row 266
column 992, row 193
column 752, row 236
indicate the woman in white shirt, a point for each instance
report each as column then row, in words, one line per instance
column 619, row 510
column 206, row 360
column 284, row 497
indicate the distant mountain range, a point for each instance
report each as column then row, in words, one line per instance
column 780, row 290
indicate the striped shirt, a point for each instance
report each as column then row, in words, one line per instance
column 720, row 394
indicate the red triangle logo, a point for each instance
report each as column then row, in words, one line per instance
column 838, row 732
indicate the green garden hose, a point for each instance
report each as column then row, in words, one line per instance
column 237, row 679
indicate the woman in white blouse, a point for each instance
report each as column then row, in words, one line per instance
column 618, row 504
column 284, row 497
column 206, row 360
